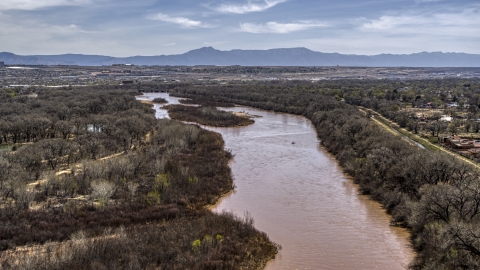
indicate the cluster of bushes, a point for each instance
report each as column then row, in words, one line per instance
column 119, row 167
column 209, row 116
column 208, row 241
column 433, row 194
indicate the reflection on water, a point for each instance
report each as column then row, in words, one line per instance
column 160, row 113
column 299, row 196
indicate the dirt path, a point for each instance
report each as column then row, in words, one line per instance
column 387, row 128
column 112, row 156
column 69, row 170
column 393, row 127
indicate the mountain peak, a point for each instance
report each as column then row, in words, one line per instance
column 206, row 49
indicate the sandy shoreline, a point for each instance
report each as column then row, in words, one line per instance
column 245, row 115
column 147, row 102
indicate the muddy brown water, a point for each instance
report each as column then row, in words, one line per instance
column 299, row 196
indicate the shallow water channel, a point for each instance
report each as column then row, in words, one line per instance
column 299, row 196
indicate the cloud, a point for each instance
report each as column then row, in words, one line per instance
column 469, row 17
column 448, row 30
column 26, row 35
column 389, row 22
column 251, row 6
column 29, row 29
column 280, row 28
column 182, row 21
column 37, row 4
column 426, row 1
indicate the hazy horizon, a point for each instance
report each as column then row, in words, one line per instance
column 238, row 50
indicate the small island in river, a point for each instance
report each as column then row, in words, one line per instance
column 206, row 102
column 209, row 116
column 160, row 100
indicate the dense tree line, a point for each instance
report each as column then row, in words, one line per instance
column 433, row 194
column 101, row 161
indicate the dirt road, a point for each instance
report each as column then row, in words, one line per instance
column 393, row 127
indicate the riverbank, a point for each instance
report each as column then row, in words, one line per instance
column 148, row 102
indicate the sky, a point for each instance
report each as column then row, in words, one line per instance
column 158, row 27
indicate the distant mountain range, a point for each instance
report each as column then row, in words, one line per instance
column 273, row 57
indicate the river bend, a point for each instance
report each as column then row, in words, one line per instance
column 299, row 196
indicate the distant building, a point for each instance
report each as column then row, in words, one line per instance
column 446, row 118
column 127, row 82
column 457, row 142
column 2, row 64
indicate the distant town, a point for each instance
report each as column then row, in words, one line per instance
column 65, row 75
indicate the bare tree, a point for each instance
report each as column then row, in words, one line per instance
column 102, row 189
column 23, row 197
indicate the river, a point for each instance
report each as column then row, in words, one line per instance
column 299, row 196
